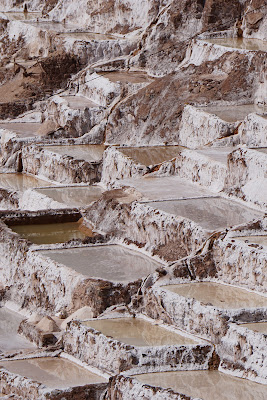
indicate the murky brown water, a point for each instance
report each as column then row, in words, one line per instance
column 20, row 16
column 111, row 262
column 258, row 327
column 167, row 187
column 218, row 154
column 56, row 373
column 87, row 152
column 254, row 239
column 22, row 129
column 207, row 385
column 125, row 77
column 50, row 233
column 210, row 213
column 73, row 196
column 20, row 182
column 219, row 295
column 9, row 338
column 88, row 36
column 79, row 102
column 240, row 43
column 232, row 113
column 151, row 155
column 138, row 332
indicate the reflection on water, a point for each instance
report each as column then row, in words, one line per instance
column 9, row 339
column 87, row 152
column 20, row 182
column 258, row 327
column 240, row 43
column 219, row 295
column 53, row 372
column 73, row 196
column 207, row 385
column 50, row 233
column 137, row 332
column 151, row 155
column 254, row 239
column 210, row 213
column 112, row 262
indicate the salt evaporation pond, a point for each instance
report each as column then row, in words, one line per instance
column 73, row 196
column 219, row 295
column 79, row 102
column 254, row 239
column 151, row 155
column 164, row 188
column 211, row 213
column 110, row 262
column 219, row 154
column 232, row 113
column 56, row 373
column 138, row 332
column 257, row 327
column 261, row 149
column 20, row 182
column 88, row 36
column 20, row 16
column 51, row 233
column 206, row 385
column 9, row 338
column 87, row 152
column 127, row 77
column 22, row 129
column 240, row 43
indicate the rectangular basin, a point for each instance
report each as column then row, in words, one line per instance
column 219, row 295
column 232, row 113
column 56, row 373
column 240, row 43
column 210, row 213
column 87, row 152
column 110, row 262
column 20, row 182
column 151, row 155
column 257, row 327
column 262, row 240
column 22, row 129
column 206, row 385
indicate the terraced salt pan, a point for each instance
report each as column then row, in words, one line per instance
column 57, row 373
column 262, row 149
column 9, row 338
column 151, row 155
column 79, row 102
column 257, row 327
column 218, row 154
column 232, row 113
column 219, row 295
column 20, row 182
column 87, row 36
column 51, row 233
column 206, row 385
column 22, row 129
column 212, row 213
column 73, row 196
column 111, row 262
column 155, row 188
column 254, row 239
column 240, row 43
column 126, row 77
column 87, row 152
column 52, row 26
column 20, row 16
column 137, row 332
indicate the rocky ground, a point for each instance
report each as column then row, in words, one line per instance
column 133, row 199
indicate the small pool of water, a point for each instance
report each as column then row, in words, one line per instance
column 87, row 152
column 206, row 385
column 20, row 182
column 232, row 113
column 261, row 149
column 240, row 43
column 20, row 16
column 79, row 102
column 254, row 239
column 164, row 188
column 87, row 36
column 219, row 295
column 110, row 262
column 22, row 129
column 52, row 233
column 151, row 155
column 126, row 77
column 219, row 154
column 73, row 196
column 56, row 373
column 138, row 332
column 257, row 327
column 9, row 338
column 210, row 213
